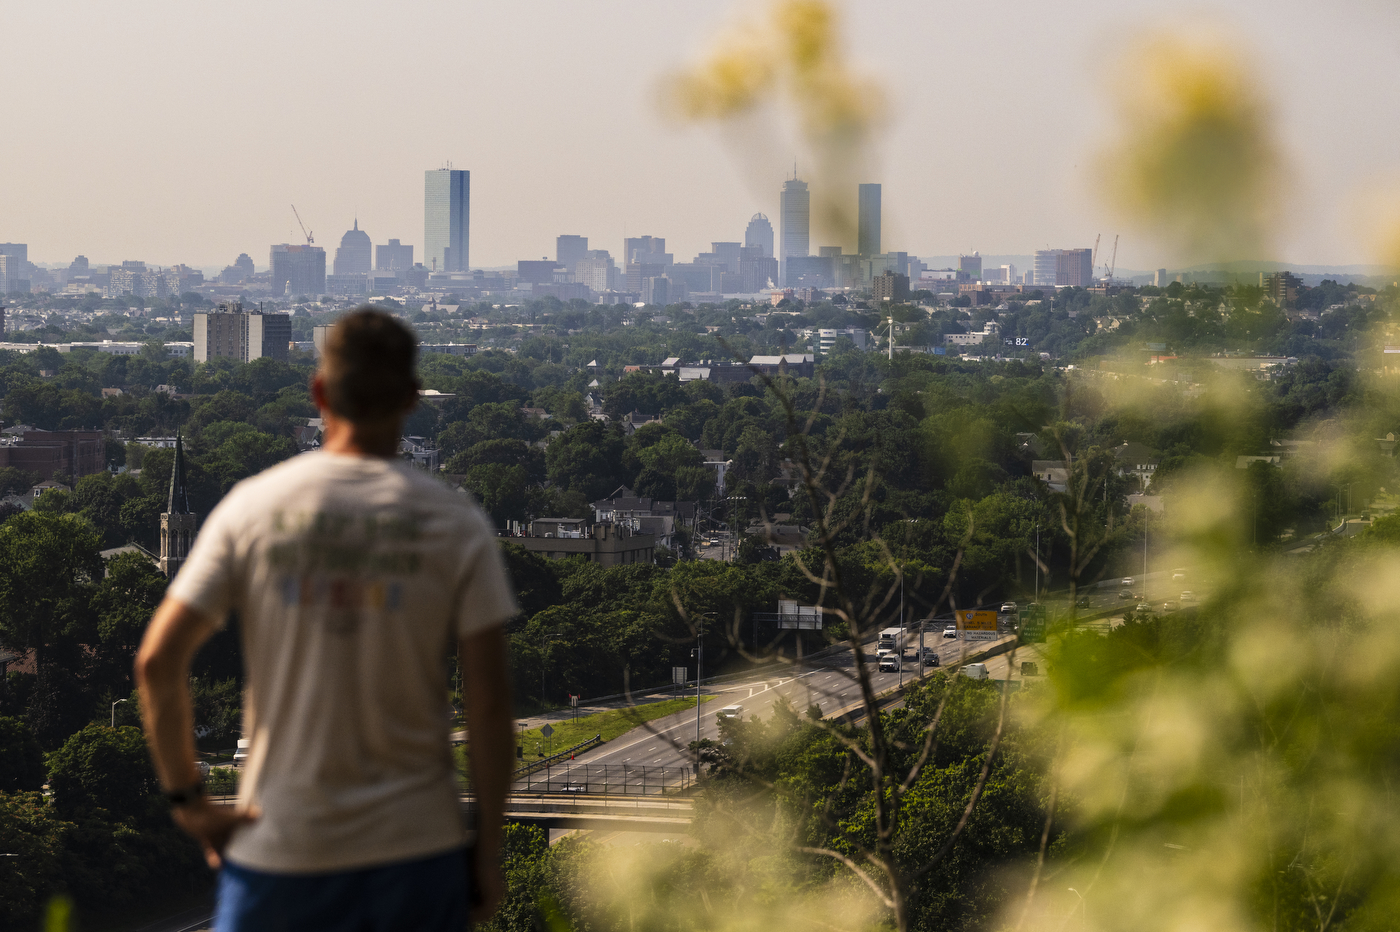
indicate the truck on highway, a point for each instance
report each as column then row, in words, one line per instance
column 892, row 639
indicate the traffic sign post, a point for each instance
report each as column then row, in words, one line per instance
column 978, row 625
column 548, row 732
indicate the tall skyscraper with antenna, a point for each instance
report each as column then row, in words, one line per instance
column 795, row 223
column 446, row 220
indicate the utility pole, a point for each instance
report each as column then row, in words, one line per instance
column 699, row 659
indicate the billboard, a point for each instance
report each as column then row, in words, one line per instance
column 977, row 625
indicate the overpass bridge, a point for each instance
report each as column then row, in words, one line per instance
column 669, row 815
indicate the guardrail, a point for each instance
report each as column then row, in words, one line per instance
column 609, row 780
column 546, row 762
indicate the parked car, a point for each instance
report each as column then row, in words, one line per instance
column 1188, row 596
column 951, row 631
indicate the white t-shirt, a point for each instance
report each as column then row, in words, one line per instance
column 353, row 577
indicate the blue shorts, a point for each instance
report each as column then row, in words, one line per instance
column 428, row 894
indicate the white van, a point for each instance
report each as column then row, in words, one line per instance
column 977, row 671
column 731, row 711
column 889, row 663
column 241, row 754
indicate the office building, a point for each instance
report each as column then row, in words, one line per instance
column 890, row 286
column 596, row 271
column 353, row 256
column 229, row 332
column 757, row 269
column 536, row 272
column 14, row 267
column 446, row 220
column 970, row 267
column 298, row 270
column 868, row 221
column 795, row 222
column 569, row 250
column 1160, row 279
column 645, row 250
column 50, row 453
column 1281, row 287
column 178, row 523
column 241, row 270
column 759, row 233
column 1064, row 268
column 393, row 257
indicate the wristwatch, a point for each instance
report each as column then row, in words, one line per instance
column 185, row 796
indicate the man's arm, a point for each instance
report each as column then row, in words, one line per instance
column 174, row 635
column 486, row 697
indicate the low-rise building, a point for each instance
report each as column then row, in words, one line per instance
column 607, row 544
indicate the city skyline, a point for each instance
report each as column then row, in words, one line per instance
column 147, row 185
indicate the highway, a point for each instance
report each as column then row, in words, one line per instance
column 828, row 681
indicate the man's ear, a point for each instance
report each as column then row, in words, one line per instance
column 318, row 391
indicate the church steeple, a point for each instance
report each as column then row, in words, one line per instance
column 178, row 523
column 179, row 500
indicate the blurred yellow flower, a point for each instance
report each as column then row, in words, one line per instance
column 1196, row 161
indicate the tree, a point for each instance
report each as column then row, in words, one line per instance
column 587, row 458
column 103, row 768
column 49, row 565
column 21, row 758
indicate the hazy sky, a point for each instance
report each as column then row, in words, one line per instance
column 180, row 132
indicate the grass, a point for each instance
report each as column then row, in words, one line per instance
column 611, row 724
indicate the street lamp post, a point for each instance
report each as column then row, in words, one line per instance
column 114, row 710
column 699, row 651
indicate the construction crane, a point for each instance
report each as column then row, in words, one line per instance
column 310, row 240
column 1094, row 262
column 1113, row 263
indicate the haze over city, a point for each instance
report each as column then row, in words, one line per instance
column 174, row 134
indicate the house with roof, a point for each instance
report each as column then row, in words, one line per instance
column 1136, row 460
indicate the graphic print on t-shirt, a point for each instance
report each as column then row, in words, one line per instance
column 336, row 563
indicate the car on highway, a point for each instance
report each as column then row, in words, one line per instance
column 930, row 659
column 1170, row 605
column 1083, row 601
column 1007, row 608
column 731, row 711
column 1178, row 575
column 889, row 663
column 1128, row 581
column 1188, row 596
column 1126, row 594
column 951, row 631
column 976, row 671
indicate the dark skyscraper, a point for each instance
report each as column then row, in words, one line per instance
column 568, row 250
column 795, row 218
column 760, row 233
column 353, row 256
column 446, row 220
column 868, row 233
column 393, row 257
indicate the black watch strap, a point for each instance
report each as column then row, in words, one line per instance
column 185, row 796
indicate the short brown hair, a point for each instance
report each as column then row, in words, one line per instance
column 367, row 366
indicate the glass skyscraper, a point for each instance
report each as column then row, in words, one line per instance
column 795, row 216
column 446, row 220
column 868, row 233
